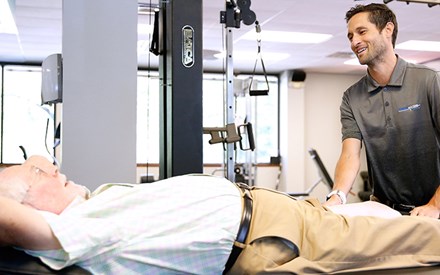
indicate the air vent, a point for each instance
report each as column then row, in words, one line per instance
column 345, row 55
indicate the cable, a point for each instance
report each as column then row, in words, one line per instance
column 55, row 161
column 148, row 95
column 24, row 152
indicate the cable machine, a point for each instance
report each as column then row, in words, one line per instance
column 235, row 12
column 177, row 39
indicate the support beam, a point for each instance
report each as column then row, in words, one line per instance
column 99, row 99
column 181, row 78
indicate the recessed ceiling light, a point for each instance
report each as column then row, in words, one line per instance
column 288, row 37
column 419, row 45
column 7, row 23
column 353, row 61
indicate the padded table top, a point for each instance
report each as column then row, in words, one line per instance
column 13, row 261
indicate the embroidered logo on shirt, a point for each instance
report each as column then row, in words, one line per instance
column 410, row 108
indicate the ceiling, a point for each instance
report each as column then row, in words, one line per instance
column 39, row 26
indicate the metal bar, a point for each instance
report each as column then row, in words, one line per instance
column 230, row 104
column 181, row 78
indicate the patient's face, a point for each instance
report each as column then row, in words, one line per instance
column 49, row 190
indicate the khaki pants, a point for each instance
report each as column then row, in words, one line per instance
column 331, row 243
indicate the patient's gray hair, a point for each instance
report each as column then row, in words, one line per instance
column 13, row 189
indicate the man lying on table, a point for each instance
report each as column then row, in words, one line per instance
column 198, row 224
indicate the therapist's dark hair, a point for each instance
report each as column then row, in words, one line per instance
column 379, row 14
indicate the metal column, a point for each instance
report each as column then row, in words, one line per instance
column 230, row 104
column 181, row 78
column 231, row 17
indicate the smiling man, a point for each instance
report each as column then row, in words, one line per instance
column 395, row 112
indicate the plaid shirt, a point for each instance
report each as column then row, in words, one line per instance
column 181, row 225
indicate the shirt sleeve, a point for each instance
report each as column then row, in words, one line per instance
column 81, row 239
column 435, row 101
column 350, row 128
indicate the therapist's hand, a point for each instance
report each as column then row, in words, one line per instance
column 333, row 200
column 427, row 210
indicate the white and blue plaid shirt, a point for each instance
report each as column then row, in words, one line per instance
column 182, row 225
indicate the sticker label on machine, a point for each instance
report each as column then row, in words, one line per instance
column 187, row 46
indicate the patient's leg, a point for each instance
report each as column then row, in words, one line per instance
column 328, row 242
column 263, row 254
column 335, row 242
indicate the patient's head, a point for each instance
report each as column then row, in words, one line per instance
column 39, row 184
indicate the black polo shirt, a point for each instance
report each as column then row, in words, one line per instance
column 399, row 125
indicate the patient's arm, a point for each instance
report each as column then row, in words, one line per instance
column 367, row 208
column 24, row 227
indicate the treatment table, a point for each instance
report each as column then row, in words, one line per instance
column 13, row 261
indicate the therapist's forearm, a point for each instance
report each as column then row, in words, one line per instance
column 435, row 200
column 347, row 169
column 431, row 209
column 346, row 172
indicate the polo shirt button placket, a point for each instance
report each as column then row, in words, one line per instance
column 388, row 118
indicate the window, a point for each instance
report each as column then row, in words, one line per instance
column 213, row 110
column 147, row 117
column 261, row 111
column 25, row 121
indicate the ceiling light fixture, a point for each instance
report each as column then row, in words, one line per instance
column 288, row 37
column 420, row 45
column 7, row 22
column 353, row 62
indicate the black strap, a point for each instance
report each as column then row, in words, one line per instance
column 404, row 209
column 257, row 91
column 243, row 230
column 155, row 46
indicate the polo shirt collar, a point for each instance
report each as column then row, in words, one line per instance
column 396, row 77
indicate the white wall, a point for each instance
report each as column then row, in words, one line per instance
column 323, row 128
column 310, row 119
column 292, row 142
